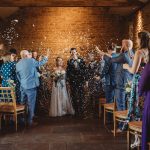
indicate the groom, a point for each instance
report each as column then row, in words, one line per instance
column 76, row 69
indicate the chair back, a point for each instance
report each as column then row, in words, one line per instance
column 115, row 105
column 7, row 97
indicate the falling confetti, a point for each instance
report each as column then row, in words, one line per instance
column 9, row 34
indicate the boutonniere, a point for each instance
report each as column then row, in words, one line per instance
column 78, row 60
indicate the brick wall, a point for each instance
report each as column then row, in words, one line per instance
column 60, row 28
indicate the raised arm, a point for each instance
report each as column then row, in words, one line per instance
column 40, row 63
column 43, row 61
column 118, row 59
column 106, row 67
column 136, row 63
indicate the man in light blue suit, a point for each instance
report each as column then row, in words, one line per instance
column 26, row 70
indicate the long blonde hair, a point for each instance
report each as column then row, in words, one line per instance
column 6, row 58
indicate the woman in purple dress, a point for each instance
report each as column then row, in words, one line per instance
column 144, row 89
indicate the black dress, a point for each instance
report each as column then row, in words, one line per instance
column 44, row 92
column 95, row 89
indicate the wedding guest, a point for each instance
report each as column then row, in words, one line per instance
column 29, row 80
column 76, row 69
column 35, row 55
column 8, row 72
column 30, row 54
column 144, row 88
column 103, row 80
column 141, row 58
column 60, row 104
column 44, row 90
column 1, row 63
column 122, row 76
column 13, row 53
column 94, row 85
column 109, row 74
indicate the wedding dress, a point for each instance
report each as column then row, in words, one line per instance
column 60, row 99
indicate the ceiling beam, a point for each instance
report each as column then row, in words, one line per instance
column 57, row 3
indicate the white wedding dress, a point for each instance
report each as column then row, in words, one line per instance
column 60, row 99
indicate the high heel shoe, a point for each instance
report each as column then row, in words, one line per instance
column 136, row 142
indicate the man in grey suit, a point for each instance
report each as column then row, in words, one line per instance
column 26, row 70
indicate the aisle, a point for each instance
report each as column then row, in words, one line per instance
column 64, row 133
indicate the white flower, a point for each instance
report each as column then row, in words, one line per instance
column 128, row 89
column 39, row 75
column 63, row 72
column 10, row 81
column 78, row 60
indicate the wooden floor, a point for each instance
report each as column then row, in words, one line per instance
column 66, row 133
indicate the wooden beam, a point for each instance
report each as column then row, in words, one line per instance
column 57, row 3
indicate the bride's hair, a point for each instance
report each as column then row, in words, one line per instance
column 57, row 59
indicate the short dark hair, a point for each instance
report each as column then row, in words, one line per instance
column 13, row 51
column 34, row 51
column 112, row 47
column 73, row 49
column 30, row 51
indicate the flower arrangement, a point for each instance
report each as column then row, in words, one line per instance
column 11, row 83
column 58, row 76
column 128, row 87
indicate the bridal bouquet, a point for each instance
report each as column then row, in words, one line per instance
column 58, row 76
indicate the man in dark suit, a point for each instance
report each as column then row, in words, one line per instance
column 109, row 74
column 76, row 69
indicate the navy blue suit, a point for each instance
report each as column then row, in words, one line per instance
column 122, row 76
column 109, row 74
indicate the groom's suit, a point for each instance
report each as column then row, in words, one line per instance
column 26, row 70
column 76, row 78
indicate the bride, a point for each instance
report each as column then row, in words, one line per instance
column 60, row 100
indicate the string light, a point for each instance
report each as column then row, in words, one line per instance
column 138, row 26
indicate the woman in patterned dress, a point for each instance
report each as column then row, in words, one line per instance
column 94, row 87
column 44, row 90
column 8, row 72
column 140, row 59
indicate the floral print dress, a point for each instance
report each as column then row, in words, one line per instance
column 135, row 105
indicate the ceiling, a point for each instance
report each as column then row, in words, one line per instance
column 7, row 11
column 121, row 7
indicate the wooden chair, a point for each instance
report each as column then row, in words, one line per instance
column 109, row 108
column 135, row 127
column 149, row 146
column 119, row 116
column 8, row 105
column 102, row 101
